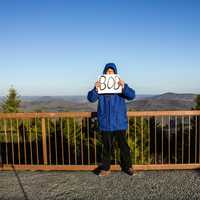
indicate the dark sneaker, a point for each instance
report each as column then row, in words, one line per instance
column 97, row 170
column 129, row 171
column 104, row 173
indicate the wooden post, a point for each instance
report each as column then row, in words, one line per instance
column 44, row 142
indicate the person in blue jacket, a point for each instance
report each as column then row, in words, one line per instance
column 113, row 122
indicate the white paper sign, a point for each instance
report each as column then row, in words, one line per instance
column 109, row 84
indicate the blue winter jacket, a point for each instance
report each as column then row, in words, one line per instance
column 112, row 109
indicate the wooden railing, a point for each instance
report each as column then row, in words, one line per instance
column 71, row 140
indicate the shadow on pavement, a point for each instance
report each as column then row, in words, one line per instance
column 20, row 183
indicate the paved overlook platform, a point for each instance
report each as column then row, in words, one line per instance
column 31, row 185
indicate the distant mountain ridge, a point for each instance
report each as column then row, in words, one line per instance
column 166, row 101
column 175, row 96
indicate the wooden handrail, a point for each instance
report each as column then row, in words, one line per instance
column 90, row 114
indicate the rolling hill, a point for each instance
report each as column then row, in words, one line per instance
column 166, row 101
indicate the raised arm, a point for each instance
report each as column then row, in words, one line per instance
column 92, row 95
column 128, row 92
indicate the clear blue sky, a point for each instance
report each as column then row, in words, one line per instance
column 60, row 47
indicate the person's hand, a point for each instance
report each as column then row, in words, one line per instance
column 97, row 85
column 121, row 83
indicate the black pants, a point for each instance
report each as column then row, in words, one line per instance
column 125, row 155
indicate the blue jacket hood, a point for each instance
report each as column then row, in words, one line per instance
column 110, row 65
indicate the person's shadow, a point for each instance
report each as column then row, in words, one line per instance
column 20, row 183
column 15, row 172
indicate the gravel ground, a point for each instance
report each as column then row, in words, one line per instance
column 86, row 185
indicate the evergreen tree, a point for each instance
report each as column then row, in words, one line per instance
column 11, row 102
column 197, row 102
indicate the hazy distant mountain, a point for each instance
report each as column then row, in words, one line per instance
column 175, row 96
column 58, row 104
column 50, row 98
column 166, row 101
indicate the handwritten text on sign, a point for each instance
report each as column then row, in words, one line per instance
column 109, row 84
